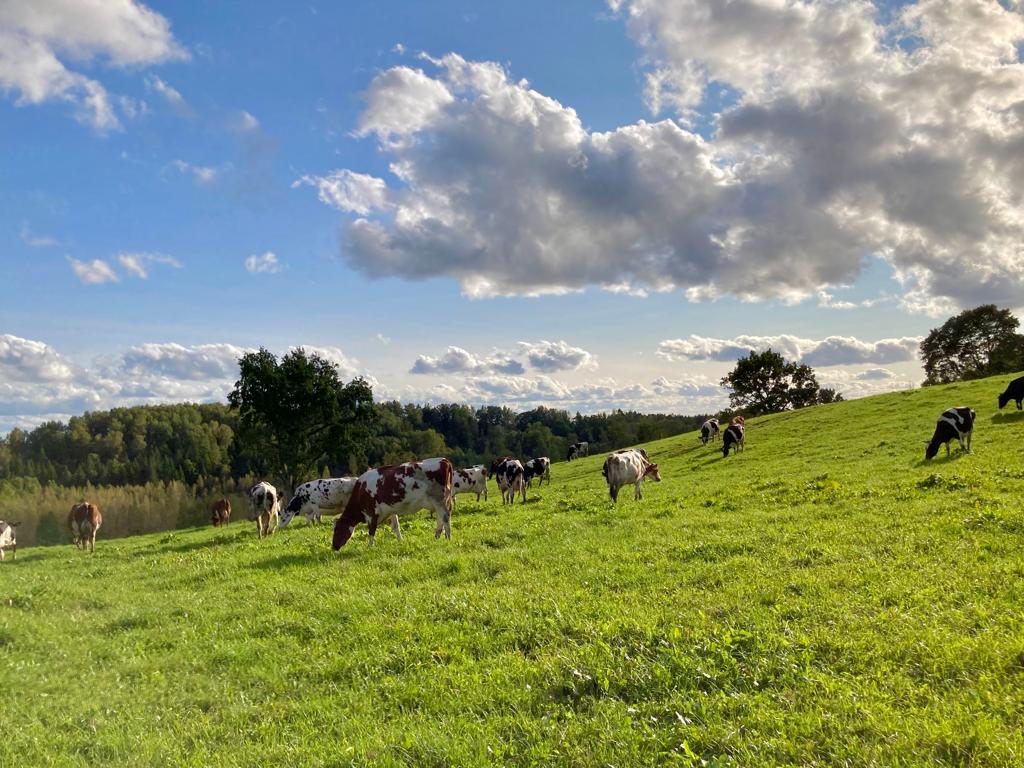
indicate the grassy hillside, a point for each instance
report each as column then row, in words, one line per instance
column 825, row 598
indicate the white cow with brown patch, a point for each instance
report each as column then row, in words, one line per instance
column 629, row 466
column 8, row 538
column 470, row 480
column 264, row 507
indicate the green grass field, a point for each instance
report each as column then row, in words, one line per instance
column 825, row 598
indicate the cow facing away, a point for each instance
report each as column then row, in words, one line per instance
column 539, row 468
column 402, row 489
column 1014, row 391
column 470, row 480
column 8, row 538
column 264, row 507
column 709, row 431
column 954, row 424
column 310, row 499
column 578, row 450
column 629, row 466
column 84, row 520
column 735, row 437
column 511, row 478
column 220, row 512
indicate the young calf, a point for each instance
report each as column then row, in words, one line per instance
column 220, row 512
column 734, row 438
column 629, row 466
column 954, row 424
column 1014, row 391
column 84, row 521
column 8, row 538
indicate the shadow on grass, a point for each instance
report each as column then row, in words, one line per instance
column 291, row 558
column 942, row 459
column 1007, row 418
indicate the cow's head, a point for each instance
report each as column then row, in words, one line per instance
column 344, row 527
column 295, row 506
column 652, row 473
column 931, row 448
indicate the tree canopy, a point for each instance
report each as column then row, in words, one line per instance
column 765, row 382
column 978, row 342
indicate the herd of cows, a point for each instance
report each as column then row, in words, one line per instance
column 386, row 493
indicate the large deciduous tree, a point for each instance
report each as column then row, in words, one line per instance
column 765, row 382
column 978, row 342
column 295, row 412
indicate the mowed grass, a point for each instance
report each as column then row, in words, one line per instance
column 825, row 598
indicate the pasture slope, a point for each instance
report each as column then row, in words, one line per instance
column 825, row 598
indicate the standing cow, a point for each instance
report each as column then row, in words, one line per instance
column 511, row 478
column 84, row 520
column 579, row 450
column 402, row 489
column 264, row 507
column 220, row 512
column 954, row 424
column 470, row 480
column 1014, row 391
column 735, row 437
column 310, row 499
column 8, row 538
column 709, row 431
column 539, row 468
column 629, row 466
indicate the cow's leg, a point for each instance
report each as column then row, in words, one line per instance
column 638, row 494
column 1, row 554
column 613, row 491
column 396, row 527
column 92, row 542
column 372, row 524
column 969, row 440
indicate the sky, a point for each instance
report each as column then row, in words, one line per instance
column 584, row 205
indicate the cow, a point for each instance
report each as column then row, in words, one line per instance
column 84, row 520
column 709, row 431
column 8, row 538
column 470, row 480
column 511, row 477
column 954, row 424
column 264, row 507
column 402, row 489
column 578, row 450
column 310, row 499
column 1014, row 391
column 629, row 466
column 735, row 438
column 220, row 512
column 539, row 468
column 738, row 421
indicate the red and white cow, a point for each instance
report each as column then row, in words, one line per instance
column 220, row 512
column 511, row 477
column 84, row 520
column 402, row 489
column 310, row 499
column 470, row 480
column 8, row 538
column 264, row 506
column 629, row 466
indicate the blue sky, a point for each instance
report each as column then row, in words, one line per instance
column 617, row 196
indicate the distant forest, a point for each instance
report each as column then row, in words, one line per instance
column 196, row 445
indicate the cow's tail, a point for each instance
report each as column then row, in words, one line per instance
column 604, row 469
column 449, row 475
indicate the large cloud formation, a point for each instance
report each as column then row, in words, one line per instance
column 544, row 356
column 846, row 130
column 833, row 350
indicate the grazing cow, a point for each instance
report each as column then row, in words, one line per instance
column 1014, row 391
column 629, row 466
column 402, row 489
column 8, row 538
column 220, row 513
column 709, row 431
column 738, row 421
column 954, row 424
column 84, row 520
column 311, row 498
column 470, row 480
column 539, row 468
column 264, row 507
column 511, row 477
column 735, row 438
column 578, row 450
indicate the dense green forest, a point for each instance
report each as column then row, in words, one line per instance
column 196, row 444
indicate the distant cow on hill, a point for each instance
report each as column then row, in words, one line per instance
column 579, row 450
column 954, row 424
column 310, row 499
column 539, row 468
column 470, row 480
column 8, row 538
column 735, row 438
column 402, row 489
column 220, row 512
column 1014, row 391
column 629, row 466
column 84, row 520
column 709, row 431
column 264, row 507
column 511, row 478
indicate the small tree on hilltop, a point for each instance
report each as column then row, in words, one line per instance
column 978, row 342
column 293, row 413
column 765, row 382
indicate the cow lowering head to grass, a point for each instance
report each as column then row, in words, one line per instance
column 511, row 478
column 312, row 498
column 84, row 520
column 8, row 538
column 1014, row 391
column 264, row 507
column 629, row 466
column 734, row 438
column 402, row 489
column 709, row 431
column 220, row 512
column 954, row 424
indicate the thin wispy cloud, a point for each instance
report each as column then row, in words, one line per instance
column 265, row 263
column 137, row 264
column 34, row 240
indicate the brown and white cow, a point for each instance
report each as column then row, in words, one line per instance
column 264, row 506
column 629, row 466
column 8, row 538
column 470, row 480
column 84, row 520
column 312, row 498
column 220, row 512
column 511, row 478
column 402, row 489
column 539, row 468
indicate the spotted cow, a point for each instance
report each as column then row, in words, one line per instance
column 84, row 520
column 264, row 507
column 220, row 512
column 632, row 465
column 539, row 468
column 402, row 489
column 8, row 538
column 954, row 424
column 709, row 431
column 511, row 478
column 470, row 480
column 310, row 499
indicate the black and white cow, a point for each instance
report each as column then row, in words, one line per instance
column 709, row 431
column 511, row 477
column 539, row 468
column 8, row 538
column 312, row 498
column 1014, row 391
column 734, row 437
column 579, row 450
column 470, row 480
column 954, row 424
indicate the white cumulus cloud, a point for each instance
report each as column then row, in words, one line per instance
column 833, row 350
column 95, row 272
column 265, row 263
